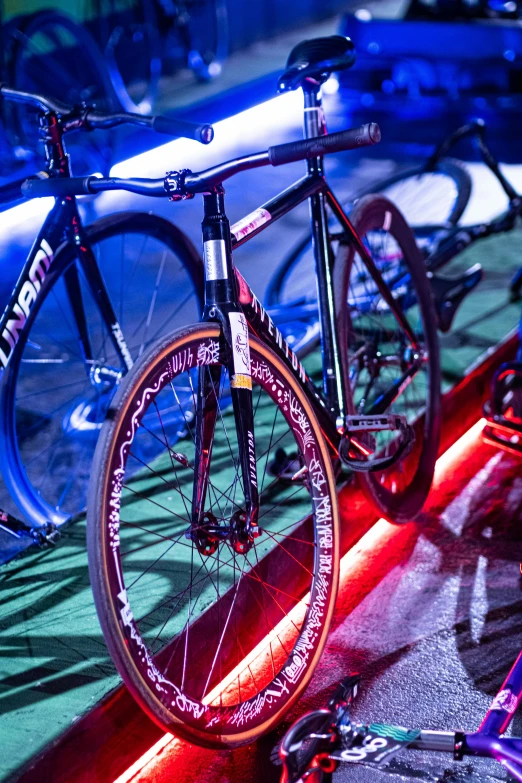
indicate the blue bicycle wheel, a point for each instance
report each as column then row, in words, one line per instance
column 53, row 401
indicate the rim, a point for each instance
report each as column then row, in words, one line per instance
column 277, row 598
column 379, row 352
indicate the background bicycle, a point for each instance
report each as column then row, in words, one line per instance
column 79, row 293
column 433, row 197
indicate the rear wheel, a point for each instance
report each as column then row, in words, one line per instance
column 53, row 402
column 429, row 198
column 214, row 645
column 378, row 356
column 134, row 58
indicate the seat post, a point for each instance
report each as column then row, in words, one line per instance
column 314, row 120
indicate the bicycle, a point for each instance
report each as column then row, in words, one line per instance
column 432, row 198
column 87, row 303
column 213, row 530
column 317, row 743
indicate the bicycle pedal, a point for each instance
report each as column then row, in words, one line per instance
column 501, row 437
column 286, row 467
column 359, row 453
column 375, row 423
column 345, row 692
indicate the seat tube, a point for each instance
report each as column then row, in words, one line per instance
column 314, row 125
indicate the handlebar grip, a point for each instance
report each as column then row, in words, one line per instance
column 203, row 133
column 364, row 136
column 57, row 187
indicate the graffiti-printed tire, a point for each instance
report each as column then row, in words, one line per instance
column 214, row 645
column 51, row 408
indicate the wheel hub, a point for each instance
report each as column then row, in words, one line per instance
column 209, row 533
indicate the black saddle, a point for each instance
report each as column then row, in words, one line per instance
column 316, row 59
column 449, row 292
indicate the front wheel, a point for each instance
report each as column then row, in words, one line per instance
column 214, row 645
column 384, row 371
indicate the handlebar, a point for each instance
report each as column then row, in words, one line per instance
column 11, row 192
column 88, row 118
column 84, row 186
column 183, row 184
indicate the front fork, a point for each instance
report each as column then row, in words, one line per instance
column 240, row 525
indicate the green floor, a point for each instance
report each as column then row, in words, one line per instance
column 54, row 665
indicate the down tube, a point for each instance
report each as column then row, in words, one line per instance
column 263, row 326
column 31, row 279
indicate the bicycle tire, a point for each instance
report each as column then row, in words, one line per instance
column 36, row 35
column 370, row 338
column 188, row 702
column 413, row 192
column 47, row 442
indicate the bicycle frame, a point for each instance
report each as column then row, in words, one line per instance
column 335, row 739
column 457, row 240
column 236, row 306
column 61, row 239
column 487, row 740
